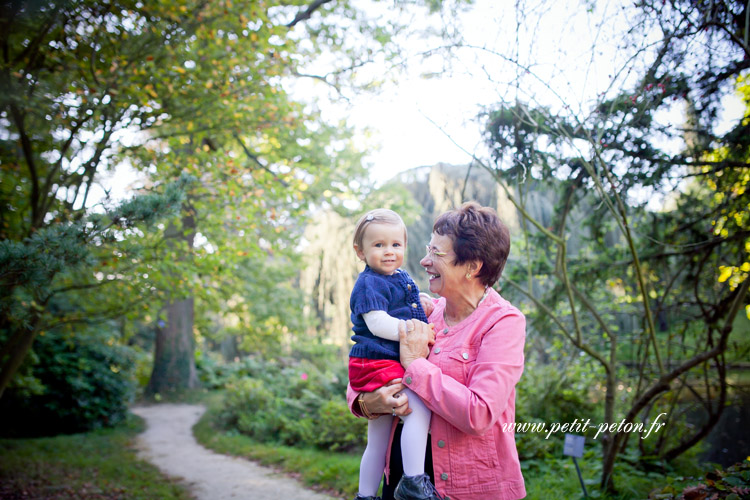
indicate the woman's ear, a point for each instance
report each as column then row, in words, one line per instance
column 474, row 267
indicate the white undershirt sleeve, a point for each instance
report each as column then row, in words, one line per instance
column 381, row 324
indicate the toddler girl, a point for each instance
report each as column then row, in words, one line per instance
column 383, row 295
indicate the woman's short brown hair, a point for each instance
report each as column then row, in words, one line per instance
column 478, row 234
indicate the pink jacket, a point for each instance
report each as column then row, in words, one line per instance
column 468, row 381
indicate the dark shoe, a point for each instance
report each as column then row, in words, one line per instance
column 360, row 497
column 416, row 488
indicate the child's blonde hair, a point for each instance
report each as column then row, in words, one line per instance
column 376, row 216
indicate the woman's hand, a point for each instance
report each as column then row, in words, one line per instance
column 415, row 340
column 388, row 399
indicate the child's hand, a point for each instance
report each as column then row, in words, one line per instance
column 427, row 303
column 431, row 342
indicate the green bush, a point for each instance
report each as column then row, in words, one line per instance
column 214, row 373
column 86, row 380
column 300, row 404
column 337, row 429
column 252, row 408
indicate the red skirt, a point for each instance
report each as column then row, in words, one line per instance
column 366, row 375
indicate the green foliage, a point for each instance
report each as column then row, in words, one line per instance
column 253, row 408
column 732, row 483
column 92, row 466
column 217, row 374
column 640, row 259
column 299, row 404
column 556, row 477
column 258, row 310
column 559, row 391
column 31, row 265
column 169, row 89
column 335, row 428
column 56, row 264
column 197, row 88
column 86, row 382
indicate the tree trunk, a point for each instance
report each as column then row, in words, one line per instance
column 14, row 352
column 15, row 349
column 174, row 358
column 174, row 362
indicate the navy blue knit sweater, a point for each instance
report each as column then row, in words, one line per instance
column 396, row 294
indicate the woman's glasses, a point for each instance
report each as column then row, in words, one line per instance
column 433, row 252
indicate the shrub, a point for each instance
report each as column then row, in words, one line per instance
column 337, row 429
column 732, row 484
column 87, row 382
column 251, row 408
column 216, row 374
column 298, row 405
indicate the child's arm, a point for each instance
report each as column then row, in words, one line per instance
column 381, row 324
column 427, row 304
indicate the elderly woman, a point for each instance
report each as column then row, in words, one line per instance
column 469, row 375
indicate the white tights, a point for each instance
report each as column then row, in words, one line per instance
column 413, row 445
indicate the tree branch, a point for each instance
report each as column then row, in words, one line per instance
column 257, row 161
column 546, row 310
column 28, row 153
column 306, row 14
column 662, row 384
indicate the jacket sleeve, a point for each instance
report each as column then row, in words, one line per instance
column 475, row 407
column 351, row 399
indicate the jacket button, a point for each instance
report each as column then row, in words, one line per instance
column 436, row 350
column 408, row 380
column 465, row 355
column 445, row 330
column 441, row 444
column 444, row 476
column 446, row 498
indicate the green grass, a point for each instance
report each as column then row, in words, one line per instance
column 93, row 465
column 333, row 473
column 557, row 478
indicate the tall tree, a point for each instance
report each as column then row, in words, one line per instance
column 262, row 157
column 171, row 88
column 650, row 291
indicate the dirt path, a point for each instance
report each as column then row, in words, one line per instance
column 169, row 444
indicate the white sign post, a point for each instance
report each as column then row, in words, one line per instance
column 573, row 447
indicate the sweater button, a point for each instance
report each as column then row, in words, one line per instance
column 408, row 380
column 444, row 476
column 441, row 444
column 414, row 305
column 408, row 287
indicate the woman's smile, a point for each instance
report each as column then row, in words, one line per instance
column 438, row 262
